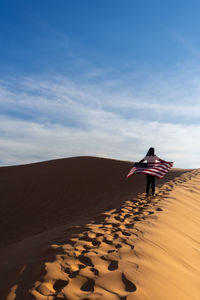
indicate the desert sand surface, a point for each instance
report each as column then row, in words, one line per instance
column 76, row 228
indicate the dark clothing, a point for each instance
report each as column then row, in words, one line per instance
column 150, row 184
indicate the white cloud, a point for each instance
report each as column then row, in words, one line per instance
column 24, row 141
column 58, row 117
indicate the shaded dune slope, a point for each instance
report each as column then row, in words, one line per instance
column 40, row 196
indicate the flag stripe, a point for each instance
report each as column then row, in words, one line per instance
column 156, row 169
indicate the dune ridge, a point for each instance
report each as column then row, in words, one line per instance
column 84, row 251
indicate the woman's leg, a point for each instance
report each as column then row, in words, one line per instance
column 148, row 184
column 153, row 184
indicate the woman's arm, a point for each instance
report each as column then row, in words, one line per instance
column 142, row 160
column 161, row 160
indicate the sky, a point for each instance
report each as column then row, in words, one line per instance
column 107, row 78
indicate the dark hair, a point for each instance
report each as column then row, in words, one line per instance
column 151, row 152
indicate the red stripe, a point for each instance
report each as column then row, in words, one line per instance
column 156, row 169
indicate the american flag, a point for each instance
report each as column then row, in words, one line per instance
column 157, row 169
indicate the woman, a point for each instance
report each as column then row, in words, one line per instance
column 151, row 158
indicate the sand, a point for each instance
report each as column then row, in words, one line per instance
column 76, row 228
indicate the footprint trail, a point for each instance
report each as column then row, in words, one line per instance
column 98, row 263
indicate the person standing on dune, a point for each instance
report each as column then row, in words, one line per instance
column 151, row 180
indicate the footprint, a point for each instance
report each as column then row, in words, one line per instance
column 124, row 241
column 159, row 209
column 81, row 266
column 129, row 286
column 127, row 216
column 113, row 265
column 126, row 233
column 96, row 243
column 86, row 247
column 119, row 219
column 95, row 271
column 99, row 234
column 111, row 251
column 85, row 260
column 115, row 224
column 129, row 226
column 103, row 257
column 73, row 274
column 60, row 284
column 84, row 252
column 88, row 286
column 67, row 270
column 85, row 238
column 107, row 241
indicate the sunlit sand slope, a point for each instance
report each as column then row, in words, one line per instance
column 168, row 254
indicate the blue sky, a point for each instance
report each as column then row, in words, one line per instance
column 106, row 78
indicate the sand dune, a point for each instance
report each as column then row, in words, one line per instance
column 78, row 229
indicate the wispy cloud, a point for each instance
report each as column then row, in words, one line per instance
column 55, row 117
